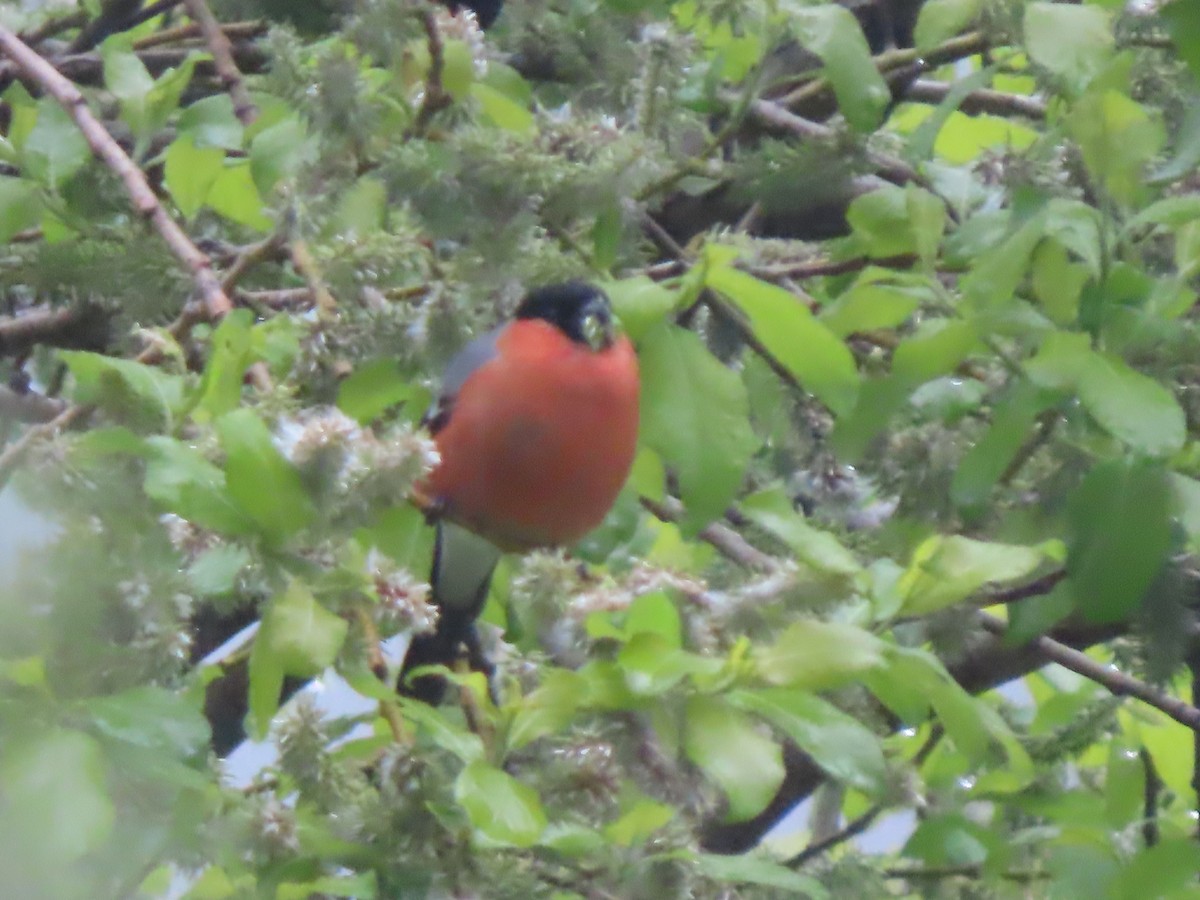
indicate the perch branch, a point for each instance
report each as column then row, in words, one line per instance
column 222, row 51
column 144, row 201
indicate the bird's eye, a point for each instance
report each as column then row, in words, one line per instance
column 596, row 330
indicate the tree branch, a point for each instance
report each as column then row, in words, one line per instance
column 997, row 103
column 1117, row 682
column 15, row 452
column 435, row 99
column 725, row 540
column 142, row 197
column 27, row 406
column 78, row 326
column 222, row 51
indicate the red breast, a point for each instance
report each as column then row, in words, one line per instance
column 540, row 439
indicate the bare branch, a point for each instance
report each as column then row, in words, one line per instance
column 222, row 51
column 77, row 326
column 1118, row 682
column 233, row 31
column 725, row 540
column 15, row 452
column 144, row 201
column 27, row 406
column 436, row 99
column 995, row 103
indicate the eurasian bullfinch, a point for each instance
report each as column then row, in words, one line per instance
column 537, row 427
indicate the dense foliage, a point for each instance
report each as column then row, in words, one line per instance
column 914, row 297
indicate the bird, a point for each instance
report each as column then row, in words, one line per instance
column 536, row 427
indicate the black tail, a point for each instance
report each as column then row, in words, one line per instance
column 462, row 572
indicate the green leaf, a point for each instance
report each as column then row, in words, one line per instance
column 300, row 633
column 914, row 680
column 548, row 710
column 1057, row 282
column 652, row 665
column 1120, row 534
column 816, row 655
column 278, row 152
column 190, row 173
column 259, row 480
column 995, row 276
column 1073, row 42
column 234, row 196
column 20, row 206
column 871, row 303
column 731, row 750
column 56, row 807
column 360, row 886
column 1128, row 405
column 947, row 569
column 606, row 237
column 1013, row 419
column 759, row 871
column 654, row 613
column 215, row 571
column 362, row 210
column 695, row 415
column 458, row 69
column 1131, row 406
column 639, row 303
column 444, row 733
column 1182, row 18
column 833, row 34
column 879, row 220
column 1117, row 138
column 372, row 389
column 1186, row 495
column 502, row 810
column 145, row 396
column 168, row 725
column 786, row 327
column 229, row 356
column 816, row 548
column 187, row 484
column 297, row 637
column 936, row 348
column 55, row 149
column 211, row 122
column 639, row 822
column 502, row 111
column 838, row 743
column 1159, row 871
column 943, row 19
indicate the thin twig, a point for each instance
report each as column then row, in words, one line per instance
column 436, row 99
column 983, row 100
column 67, row 326
column 302, row 259
column 725, row 540
column 1117, row 682
column 222, row 51
column 858, row 825
column 234, row 31
column 1022, row 876
column 280, row 298
column 251, row 256
column 1153, row 784
column 144, row 201
column 16, row 451
column 28, row 406
column 954, row 49
column 378, row 666
column 51, row 27
column 777, row 117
